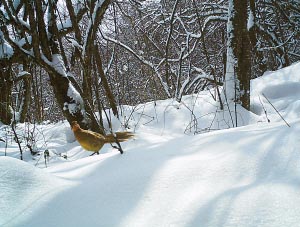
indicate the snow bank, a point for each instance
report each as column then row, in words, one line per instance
column 282, row 88
column 23, row 187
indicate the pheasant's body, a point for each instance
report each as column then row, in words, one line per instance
column 92, row 141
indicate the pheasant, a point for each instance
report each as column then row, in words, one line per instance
column 93, row 141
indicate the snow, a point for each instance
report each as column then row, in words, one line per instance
column 64, row 25
column 230, row 80
column 76, row 103
column 16, row 3
column 6, row 51
column 58, row 64
column 23, row 73
column 246, row 176
column 282, row 88
column 91, row 23
column 250, row 22
column 23, row 186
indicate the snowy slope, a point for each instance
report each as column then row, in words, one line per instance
column 283, row 89
column 245, row 176
column 23, row 187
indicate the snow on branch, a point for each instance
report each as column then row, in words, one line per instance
column 94, row 21
column 6, row 51
column 76, row 102
column 210, row 19
column 142, row 59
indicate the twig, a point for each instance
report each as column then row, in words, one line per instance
column 16, row 137
column 276, row 110
column 264, row 109
column 110, row 126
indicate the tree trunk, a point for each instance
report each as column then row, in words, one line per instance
column 110, row 96
column 25, row 93
column 26, row 98
column 6, row 84
column 238, row 71
column 69, row 100
column 37, row 95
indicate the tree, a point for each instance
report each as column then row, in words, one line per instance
column 6, row 84
column 169, row 41
column 238, row 70
column 277, row 32
column 36, row 31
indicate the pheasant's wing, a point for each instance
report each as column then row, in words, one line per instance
column 90, row 141
column 96, row 134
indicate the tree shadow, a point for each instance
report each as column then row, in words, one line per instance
column 109, row 199
column 104, row 197
column 274, row 168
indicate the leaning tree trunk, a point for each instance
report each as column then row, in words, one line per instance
column 69, row 100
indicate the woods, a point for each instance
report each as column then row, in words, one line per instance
column 149, row 113
column 69, row 59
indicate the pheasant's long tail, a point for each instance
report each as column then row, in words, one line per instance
column 120, row 136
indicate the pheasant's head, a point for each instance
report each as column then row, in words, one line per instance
column 75, row 126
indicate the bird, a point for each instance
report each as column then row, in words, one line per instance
column 93, row 141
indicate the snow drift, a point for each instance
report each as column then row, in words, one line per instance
column 24, row 188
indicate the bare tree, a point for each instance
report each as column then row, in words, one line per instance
column 170, row 39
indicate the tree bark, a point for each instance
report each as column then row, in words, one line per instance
column 6, row 84
column 238, row 72
column 26, row 97
column 69, row 99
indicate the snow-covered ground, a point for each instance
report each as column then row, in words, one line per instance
column 172, row 173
